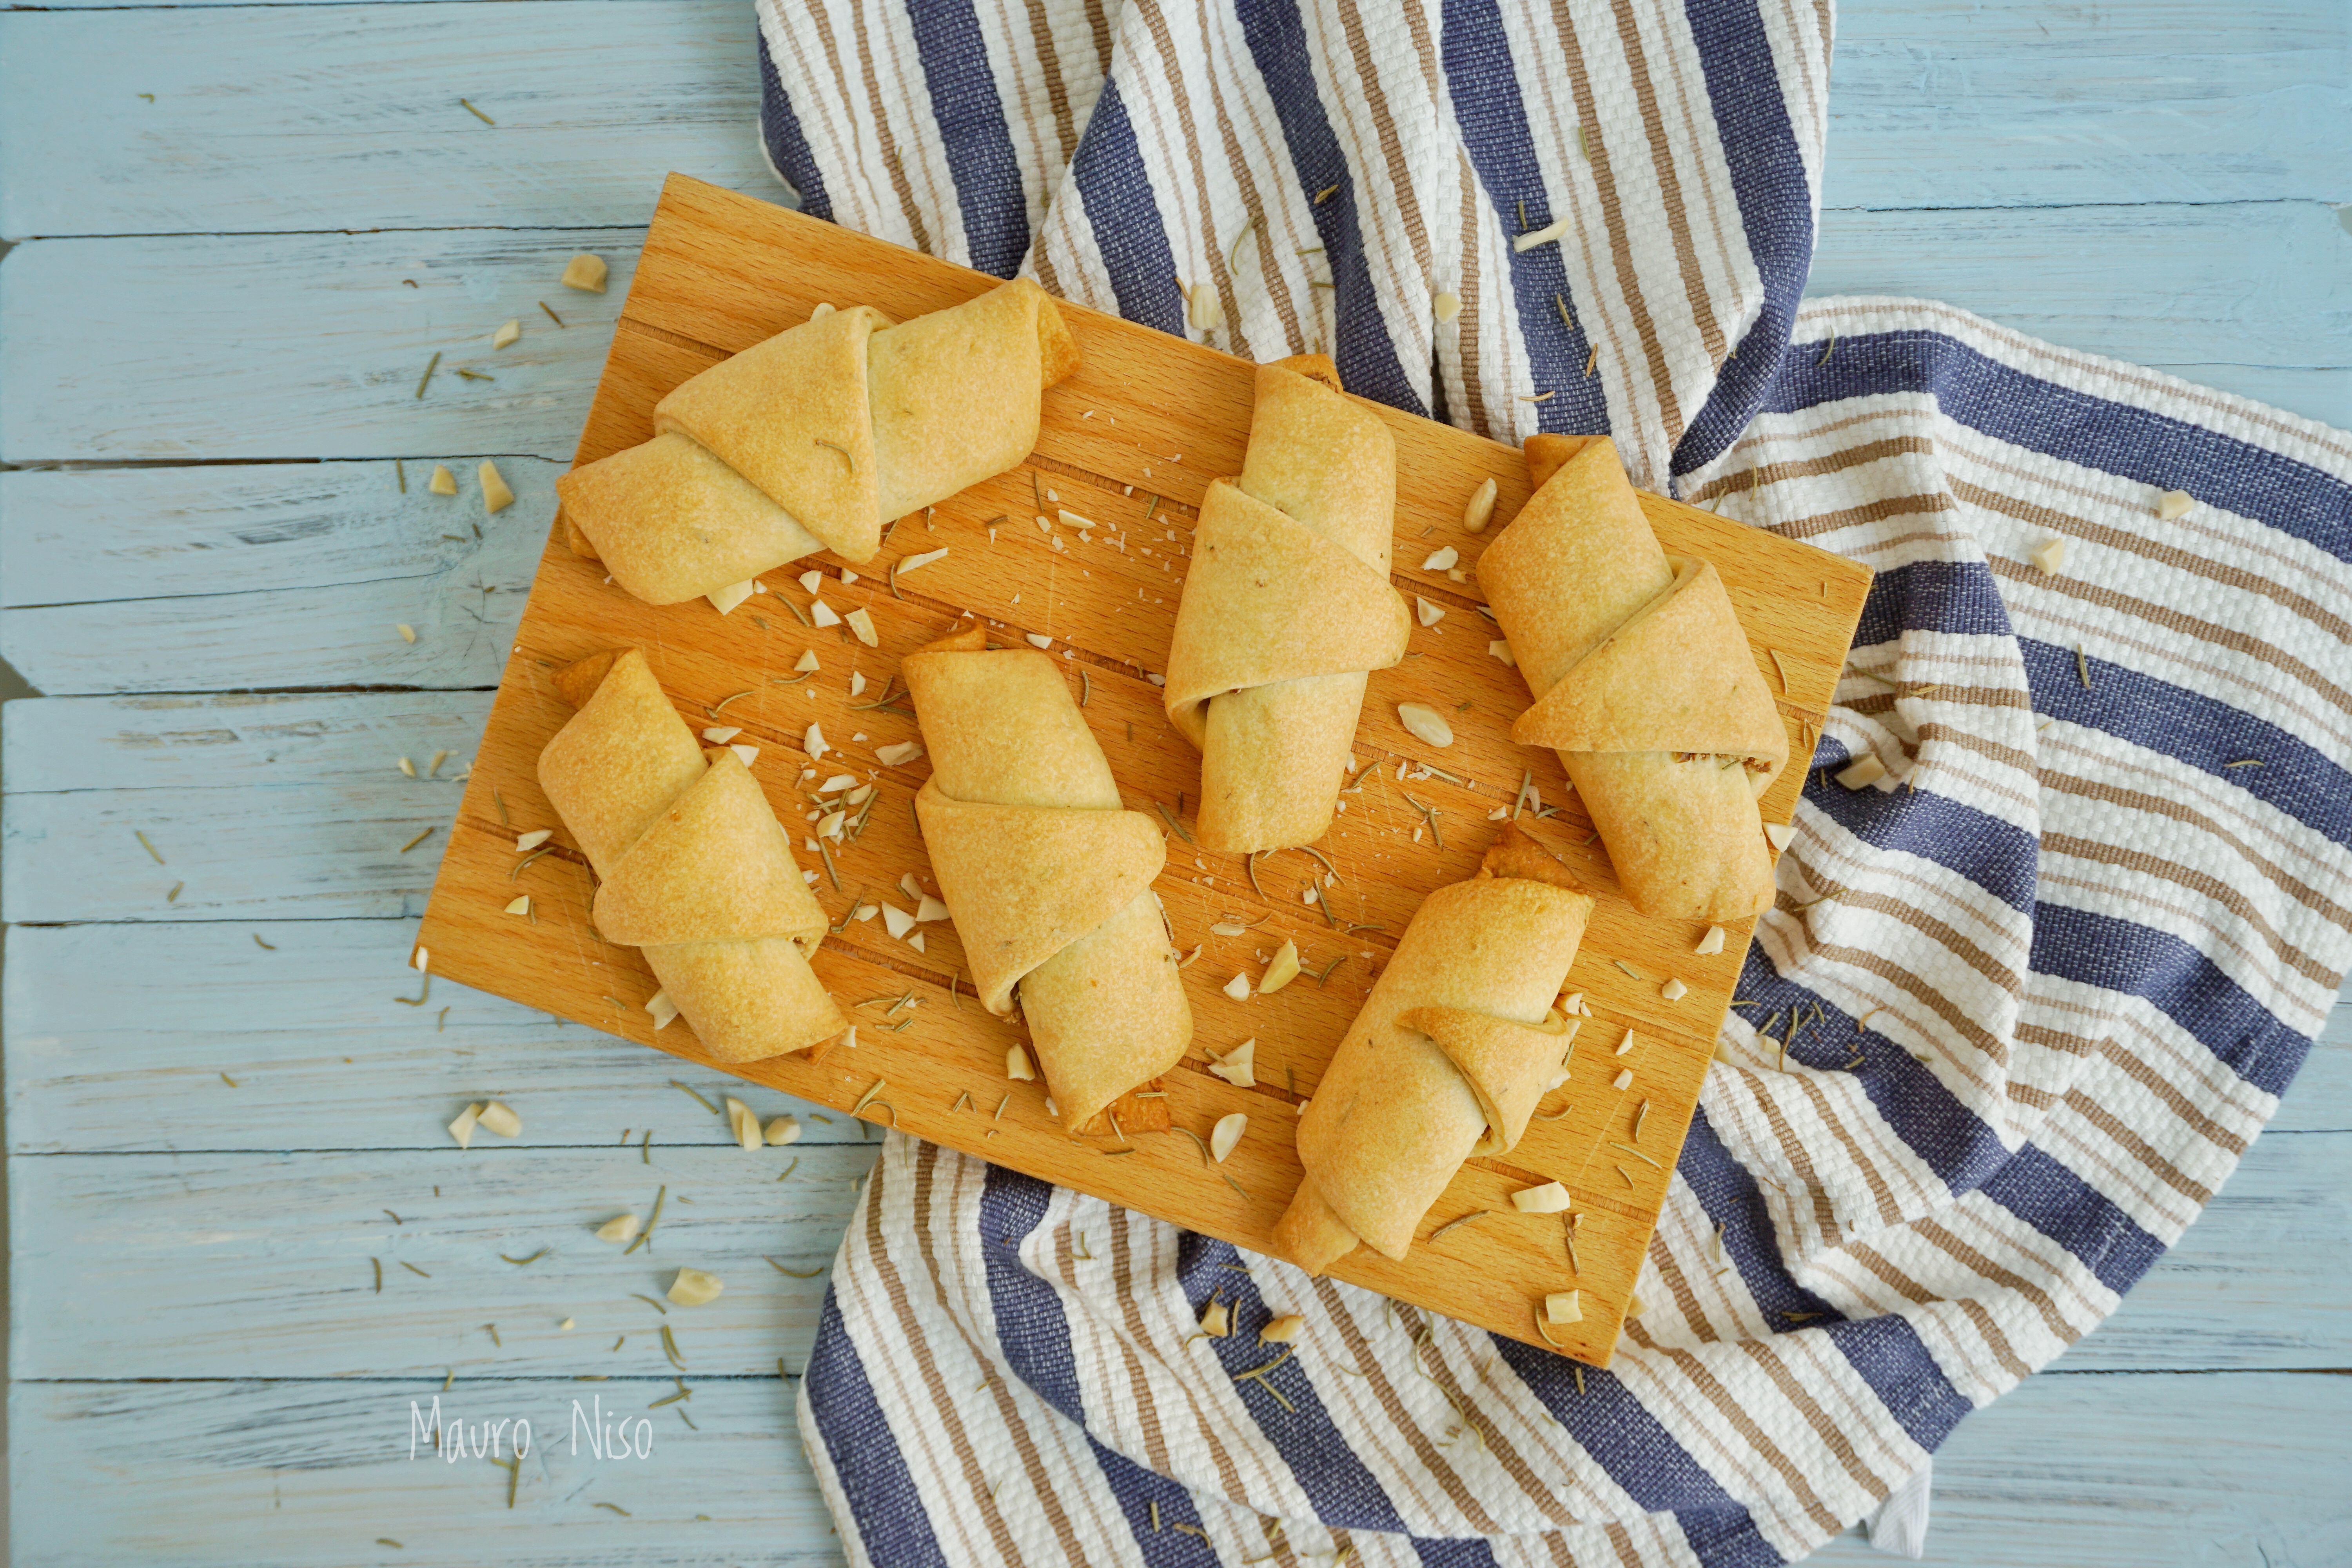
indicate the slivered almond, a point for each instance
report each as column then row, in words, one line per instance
column 1238, row 1067
column 620, row 1227
column 1281, row 970
column 695, row 1288
column 1549, row 1198
column 1016, row 1065
column 1480, row 509
column 1225, row 1134
column 1425, row 724
column 1862, row 771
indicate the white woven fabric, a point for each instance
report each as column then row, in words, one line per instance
column 2058, row 965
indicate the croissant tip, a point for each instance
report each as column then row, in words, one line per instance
column 1547, row 454
column 578, row 680
column 973, row 639
column 1314, row 368
column 1516, row 853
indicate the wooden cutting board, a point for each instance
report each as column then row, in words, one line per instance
column 1129, row 443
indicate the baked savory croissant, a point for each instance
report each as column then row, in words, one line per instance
column 1286, row 609
column 1447, row 1057
column 694, row 867
column 1047, row 877
column 1643, row 683
column 815, row 438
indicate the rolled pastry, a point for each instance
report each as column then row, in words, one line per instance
column 1286, row 608
column 815, row 438
column 1643, row 683
column 1447, row 1057
column 1047, row 877
column 693, row 866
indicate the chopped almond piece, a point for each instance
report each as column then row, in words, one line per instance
column 695, row 1288
column 496, row 497
column 586, row 273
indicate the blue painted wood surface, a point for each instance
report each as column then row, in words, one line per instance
column 215, row 1107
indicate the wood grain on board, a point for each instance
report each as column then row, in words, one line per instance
column 1128, row 444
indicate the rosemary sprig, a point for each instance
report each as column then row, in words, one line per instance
column 1171, row 822
column 487, row 120
column 1471, row 1219
column 429, row 367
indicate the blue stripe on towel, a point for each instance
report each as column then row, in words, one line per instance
column 1885, row 1351
column 1137, row 1489
column 1494, row 123
column 867, row 1462
column 1642, row 1456
column 1959, row 598
column 1996, row 855
column 1361, row 347
column 1108, row 172
column 1328, row 1470
column 788, row 149
column 2036, row 1188
column 2291, row 776
column 1775, row 210
column 1030, row 1322
column 2181, row 982
column 2076, row 428
column 972, row 134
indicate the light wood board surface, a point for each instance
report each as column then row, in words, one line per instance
column 1959, row 135
column 1128, row 445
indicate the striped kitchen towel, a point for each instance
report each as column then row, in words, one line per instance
column 2057, row 964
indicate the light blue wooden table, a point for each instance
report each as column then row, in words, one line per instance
column 208, row 350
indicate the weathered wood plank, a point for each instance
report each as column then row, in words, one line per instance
column 306, row 345
column 2010, row 105
column 2125, row 1472
column 2154, row 284
column 314, row 1024
column 118, row 1035
column 2093, row 1472
column 260, row 806
column 254, row 124
column 291, row 1475
column 1955, row 103
column 175, row 320
column 270, row 1257
column 268, row 1253
column 268, row 574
